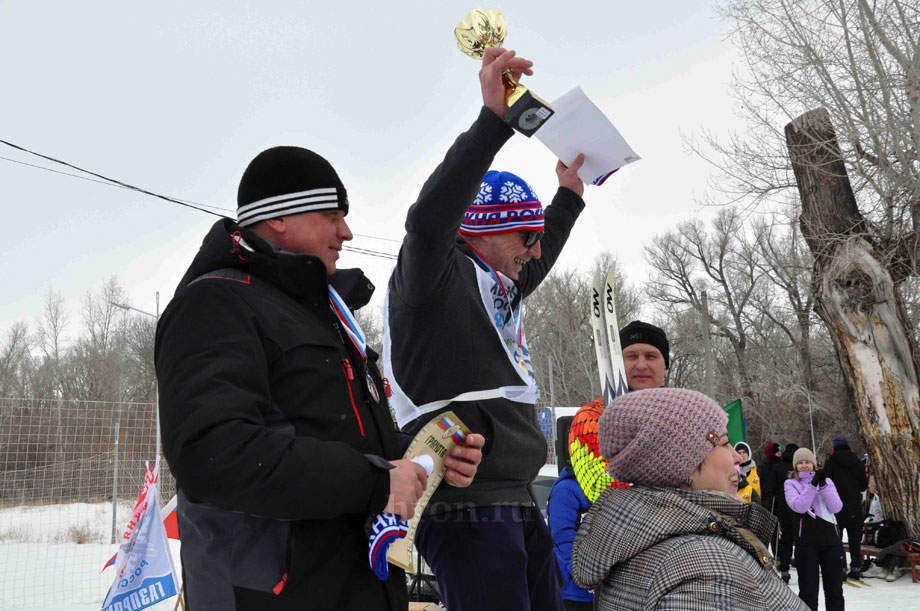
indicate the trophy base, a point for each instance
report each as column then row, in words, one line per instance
column 528, row 114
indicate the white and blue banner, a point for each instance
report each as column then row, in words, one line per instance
column 145, row 574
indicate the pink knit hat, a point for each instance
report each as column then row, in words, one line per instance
column 659, row 436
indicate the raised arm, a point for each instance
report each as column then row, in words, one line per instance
column 831, row 497
column 433, row 221
column 799, row 497
column 559, row 218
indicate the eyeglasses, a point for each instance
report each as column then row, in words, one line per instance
column 531, row 237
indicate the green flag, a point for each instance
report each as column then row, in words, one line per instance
column 735, row 422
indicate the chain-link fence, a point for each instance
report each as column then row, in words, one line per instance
column 61, row 465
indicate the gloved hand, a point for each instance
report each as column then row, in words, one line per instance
column 820, row 479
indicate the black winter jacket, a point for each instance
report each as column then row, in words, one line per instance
column 765, row 467
column 772, row 487
column 849, row 473
column 277, row 450
column 441, row 342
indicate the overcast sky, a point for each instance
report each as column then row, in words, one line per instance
column 177, row 97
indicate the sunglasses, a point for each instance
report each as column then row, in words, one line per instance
column 531, row 237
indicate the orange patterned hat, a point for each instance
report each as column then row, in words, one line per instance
column 589, row 466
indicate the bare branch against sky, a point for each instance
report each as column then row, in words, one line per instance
column 177, row 97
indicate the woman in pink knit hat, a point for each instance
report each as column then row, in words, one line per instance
column 680, row 538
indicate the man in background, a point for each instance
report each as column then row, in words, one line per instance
column 774, row 499
column 646, row 355
column 849, row 474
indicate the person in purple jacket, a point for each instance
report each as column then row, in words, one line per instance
column 813, row 496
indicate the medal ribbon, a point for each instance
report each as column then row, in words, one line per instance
column 349, row 323
column 517, row 321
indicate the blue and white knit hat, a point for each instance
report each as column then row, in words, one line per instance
column 504, row 204
column 288, row 180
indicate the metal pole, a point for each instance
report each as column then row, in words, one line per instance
column 707, row 344
column 811, row 423
column 552, row 407
column 156, row 386
column 156, row 317
column 115, row 490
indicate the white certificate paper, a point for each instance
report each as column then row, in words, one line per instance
column 579, row 126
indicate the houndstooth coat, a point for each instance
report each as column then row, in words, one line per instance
column 671, row 549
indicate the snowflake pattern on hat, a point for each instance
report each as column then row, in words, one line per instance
column 485, row 194
column 512, row 193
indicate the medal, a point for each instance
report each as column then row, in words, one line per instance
column 373, row 388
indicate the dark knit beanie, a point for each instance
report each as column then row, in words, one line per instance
column 288, row 180
column 638, row 332
column 636, row 426
column 840, row 441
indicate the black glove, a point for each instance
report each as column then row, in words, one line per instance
column 820, row 479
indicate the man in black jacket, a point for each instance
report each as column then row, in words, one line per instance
column 454, row 339
column 274, row 416
column 773, row 452
column 774, row 499
column 848, row 472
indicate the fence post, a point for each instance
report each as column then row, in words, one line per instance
column 552, row 410
column 115, row 489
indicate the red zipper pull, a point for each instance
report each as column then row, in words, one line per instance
column 277, row 589
column 349, row 372
column 386, row 388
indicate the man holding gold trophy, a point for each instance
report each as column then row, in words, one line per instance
column 477, row 242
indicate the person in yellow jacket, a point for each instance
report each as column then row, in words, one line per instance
column 749, row 486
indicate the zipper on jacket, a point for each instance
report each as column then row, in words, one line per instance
column 386, row 388
column 349, row 376
column 277, row 589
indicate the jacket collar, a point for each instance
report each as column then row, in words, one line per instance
column 672, row 512
column 299, row 275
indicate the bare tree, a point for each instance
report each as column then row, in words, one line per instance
column 139, row 375
column 856, row 168
column 858, row 298
column 14, row 356
column 858, row 60
column 690, row 259
column 52, row 323
column 371, row 322
column 92, row 369
column 558, row 328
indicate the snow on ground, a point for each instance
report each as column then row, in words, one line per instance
column 42, row 569
column 879, row 595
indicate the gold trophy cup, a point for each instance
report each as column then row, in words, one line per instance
column 485, row 28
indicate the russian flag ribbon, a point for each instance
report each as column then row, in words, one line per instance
column 457, row 435
column 349, row 323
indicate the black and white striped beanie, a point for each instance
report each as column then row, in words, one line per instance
column 287, row 180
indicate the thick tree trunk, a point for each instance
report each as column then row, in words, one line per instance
column 859, row 302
